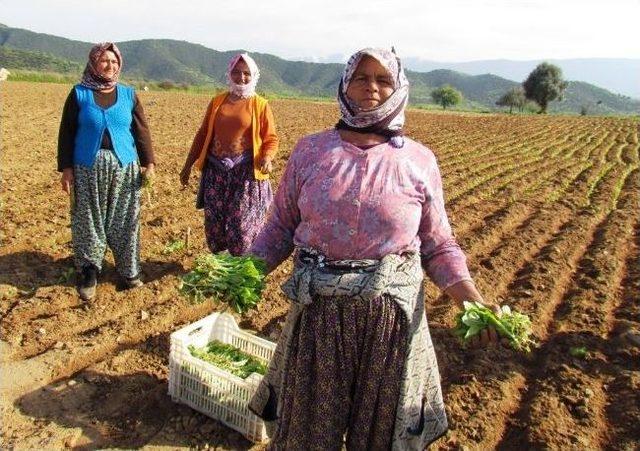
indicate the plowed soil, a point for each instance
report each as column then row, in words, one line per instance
column 546, row 209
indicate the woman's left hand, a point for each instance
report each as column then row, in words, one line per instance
column 465, row 290
column 486, row 337
column 149, row 172
column 495, row 308
column 489, row 336
column 266, row 166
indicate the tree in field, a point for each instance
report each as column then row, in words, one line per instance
column 514, row 97
column 544, row 84
column 446, row 96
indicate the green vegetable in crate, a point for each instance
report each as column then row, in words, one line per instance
column 239, row 281
column 229, row 358
column 513, row 326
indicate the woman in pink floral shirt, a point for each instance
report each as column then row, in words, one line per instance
column 362, row 206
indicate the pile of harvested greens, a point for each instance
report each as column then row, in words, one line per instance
column 238, row 281
column 229, row 358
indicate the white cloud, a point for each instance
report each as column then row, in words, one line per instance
column 454, row 30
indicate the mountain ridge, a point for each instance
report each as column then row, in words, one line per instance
column 184, row 62
column 608, row 73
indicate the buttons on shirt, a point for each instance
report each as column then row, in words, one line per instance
column 356, row 203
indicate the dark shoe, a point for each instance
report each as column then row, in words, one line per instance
column 87, row 283
column 132, row 282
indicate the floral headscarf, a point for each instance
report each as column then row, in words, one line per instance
column 386, row 119
column 248, row 90
column 91, row 78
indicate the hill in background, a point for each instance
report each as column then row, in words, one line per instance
column 619, row 75
column 182, row 62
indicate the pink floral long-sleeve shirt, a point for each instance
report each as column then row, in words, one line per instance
column 350, row 203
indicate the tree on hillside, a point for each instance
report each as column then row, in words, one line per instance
column 514, row 97
column 544, row 84
column 446, row 96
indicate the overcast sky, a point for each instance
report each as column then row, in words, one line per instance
column 441, row 30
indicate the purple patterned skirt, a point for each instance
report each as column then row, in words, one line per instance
column 235, row 203
column 342, row 376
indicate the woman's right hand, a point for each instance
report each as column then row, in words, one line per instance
column 185, row 174
column 67, row 180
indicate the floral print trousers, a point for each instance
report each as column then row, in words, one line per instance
column 106, row 211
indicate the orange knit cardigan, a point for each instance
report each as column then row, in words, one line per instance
column 265, row 140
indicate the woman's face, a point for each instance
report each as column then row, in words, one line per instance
column 370, row 84
column 240, row 74
column 108, row 64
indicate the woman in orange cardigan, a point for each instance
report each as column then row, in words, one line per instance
column 234, row 148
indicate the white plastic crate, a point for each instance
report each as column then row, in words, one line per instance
column 209, row 389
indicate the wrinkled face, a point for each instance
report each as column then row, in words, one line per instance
column 108, row 64
column 240, row 74
column 370, row 84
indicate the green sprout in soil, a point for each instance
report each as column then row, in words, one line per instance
column 579, row 352
column 173, row 246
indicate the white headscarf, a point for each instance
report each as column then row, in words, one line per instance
column 386, row 119
column 248, row 90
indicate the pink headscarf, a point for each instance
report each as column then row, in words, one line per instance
column 91, row 78
column 248, row 90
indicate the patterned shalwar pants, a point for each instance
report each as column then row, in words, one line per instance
column 107, row 212
column 235, row 206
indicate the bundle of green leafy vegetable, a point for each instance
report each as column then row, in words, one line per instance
column 229, row 358
column 148, row 187
column 238, row 281
column 511, row 325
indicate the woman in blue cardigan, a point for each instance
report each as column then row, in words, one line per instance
column 104, row 151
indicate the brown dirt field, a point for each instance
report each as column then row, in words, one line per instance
column 546, row 209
